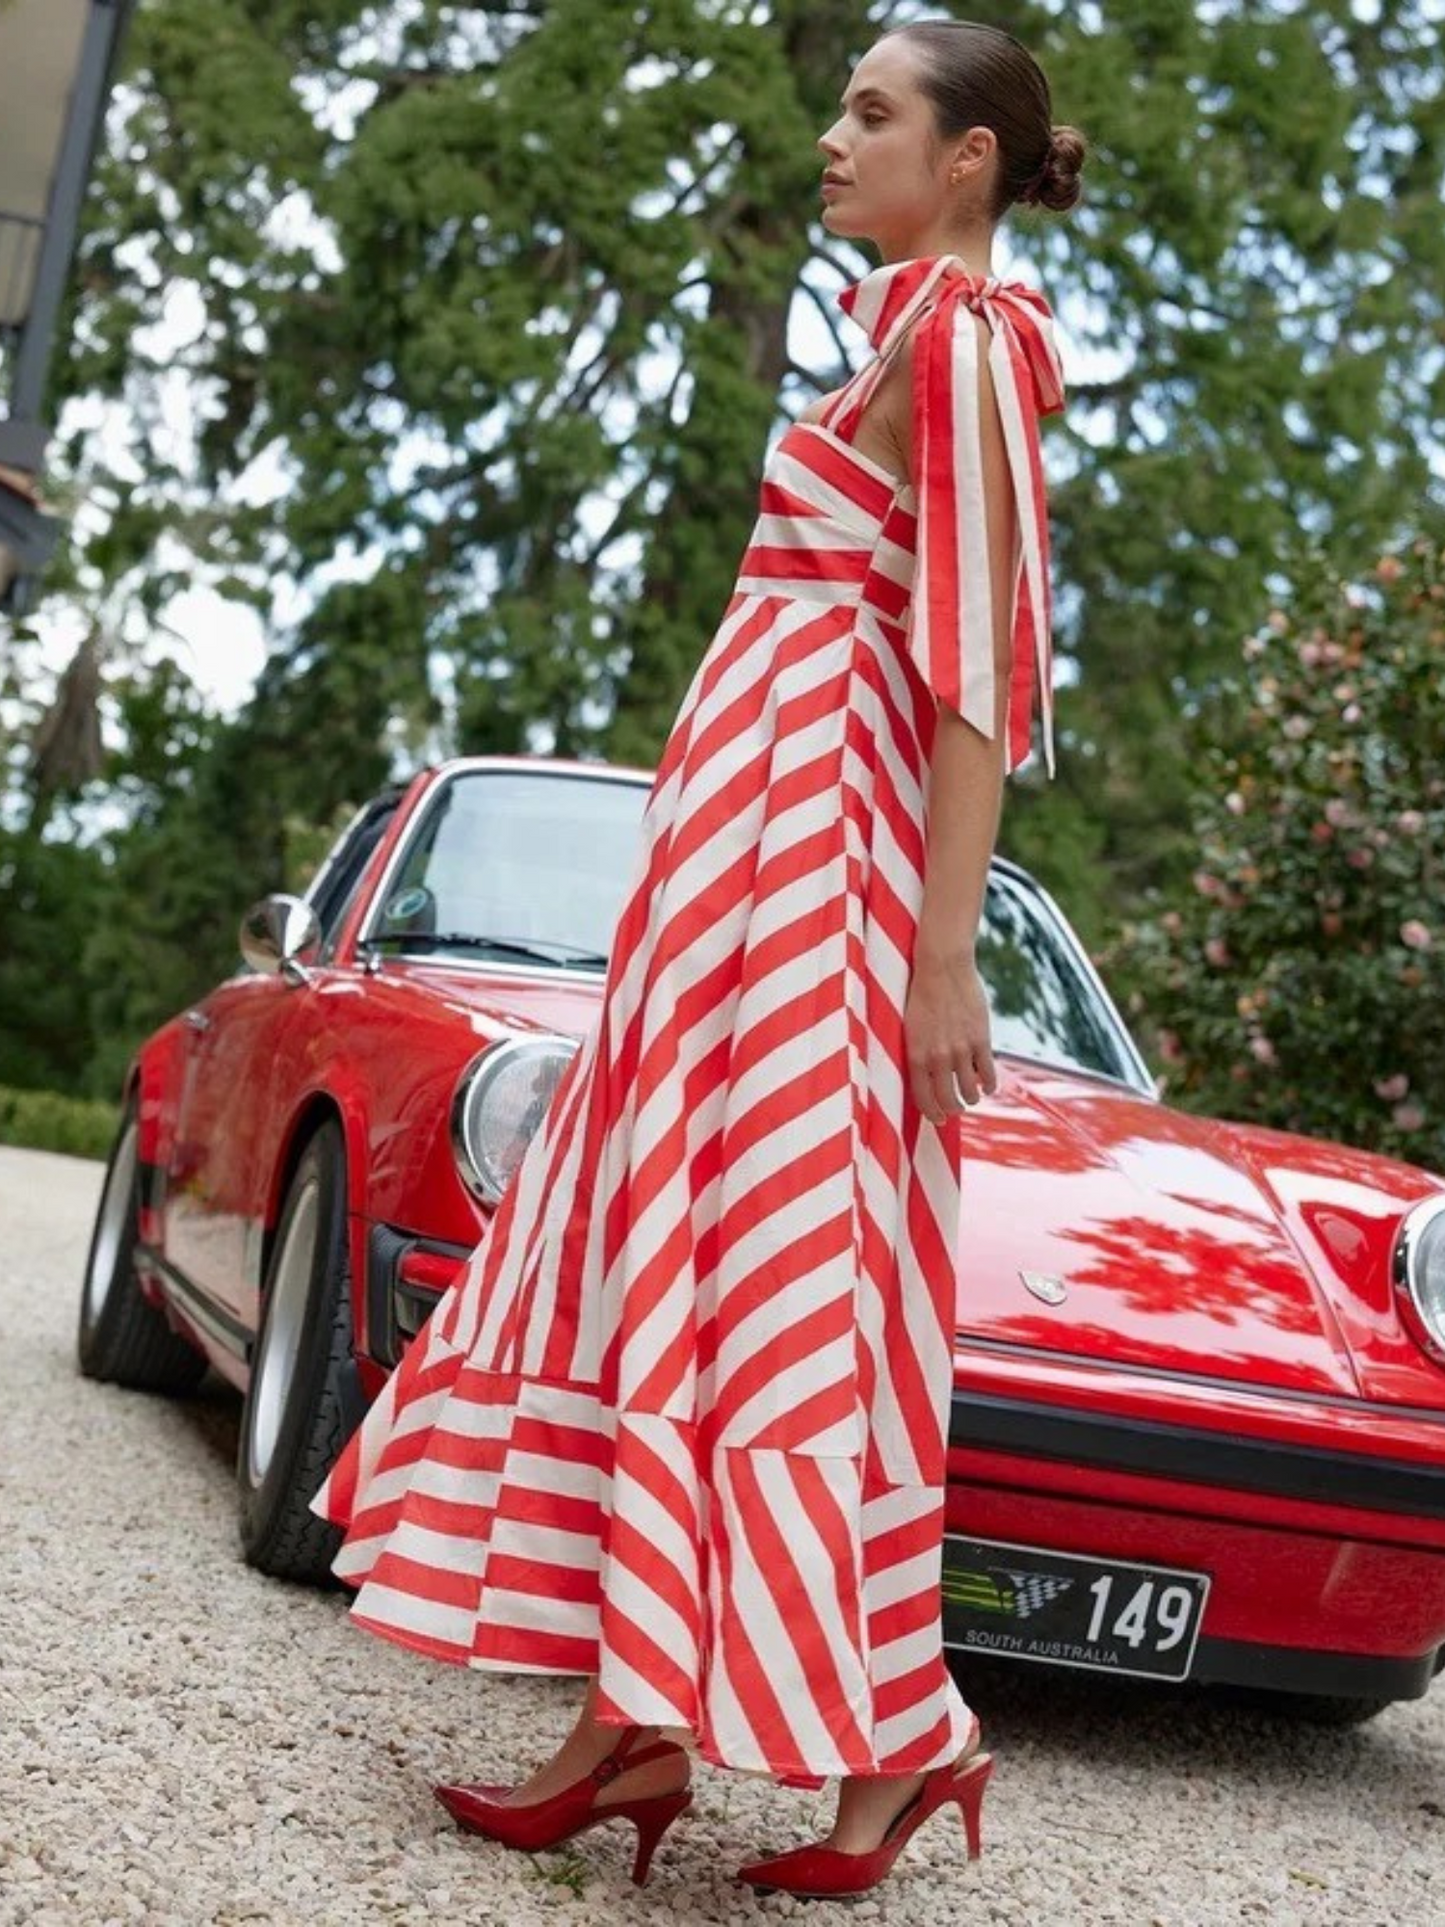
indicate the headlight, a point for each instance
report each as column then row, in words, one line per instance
column 501, row 1098
column 1420, row 1271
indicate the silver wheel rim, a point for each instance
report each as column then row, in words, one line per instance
column 101, row 1278
column 274, row 1372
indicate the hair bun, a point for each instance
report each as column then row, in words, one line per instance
column 1056, row 186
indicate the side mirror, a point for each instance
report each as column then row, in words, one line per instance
column 280, row 937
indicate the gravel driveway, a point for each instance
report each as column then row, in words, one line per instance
column 184, row 1742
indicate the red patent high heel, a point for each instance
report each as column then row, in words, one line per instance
column 548, row 1823
column 827, row 1873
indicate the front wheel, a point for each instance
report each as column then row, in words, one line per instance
column 123, row 1339
column 295, row 1419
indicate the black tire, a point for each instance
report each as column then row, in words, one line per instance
column 1304, row 1709
column 298, row 1411
column 123, row 1340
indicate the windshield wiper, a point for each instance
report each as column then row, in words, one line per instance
column 534, row 949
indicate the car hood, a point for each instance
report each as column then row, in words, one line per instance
column 496, row 1003
column 1185, row 1244
column 1192, row 1245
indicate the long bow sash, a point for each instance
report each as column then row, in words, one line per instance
column 951, row 627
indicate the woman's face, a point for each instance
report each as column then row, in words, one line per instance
column 887, row 172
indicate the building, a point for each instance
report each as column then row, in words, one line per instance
column 57, row 64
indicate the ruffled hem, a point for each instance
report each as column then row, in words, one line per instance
column 794, row 1634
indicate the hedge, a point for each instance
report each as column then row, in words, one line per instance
column 45, row 1121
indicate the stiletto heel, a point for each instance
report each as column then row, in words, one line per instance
column 485, row 1809
column 652, row 1819
column 827, row 1873
column 970, row 1782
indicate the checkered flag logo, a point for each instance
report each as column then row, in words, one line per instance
column 1035, row 1590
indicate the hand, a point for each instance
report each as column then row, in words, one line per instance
column 946, row 1036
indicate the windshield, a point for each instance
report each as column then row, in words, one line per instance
column 499, row 861
column 520, row 859
column 1043, row 1004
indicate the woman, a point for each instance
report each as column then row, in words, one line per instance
column 681, row 1430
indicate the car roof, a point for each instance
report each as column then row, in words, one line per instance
column 567, row 766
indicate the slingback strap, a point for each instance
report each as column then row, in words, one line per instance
column 622, row 1759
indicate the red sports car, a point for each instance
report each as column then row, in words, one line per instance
column 1199, row 1424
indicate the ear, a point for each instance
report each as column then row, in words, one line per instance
column 972, row 154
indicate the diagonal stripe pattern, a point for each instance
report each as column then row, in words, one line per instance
column 682, row 1424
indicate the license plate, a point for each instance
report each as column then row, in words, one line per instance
column 1061, row 1609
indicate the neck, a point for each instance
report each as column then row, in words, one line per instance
column 972, row 245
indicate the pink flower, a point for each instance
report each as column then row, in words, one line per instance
column 1261, row 1049
column 1234, row 803
column 1338, row 812
column 1205, row 884
column 1415, row 934
column 1351, row 713
column 1321, row 832
column 1251, row 647
column 1172, row 922
column 1311, row 654
column 1278, row 621
column 1408, row 1117
column 1169, row 1048
column 1392, row 1088
column 1296, row 727
column 1410, row 822
column 1217, row 951
column 1388, row 568
column 1360, row 859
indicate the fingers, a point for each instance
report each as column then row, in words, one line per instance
column 984, row 1067
column 942, row 1091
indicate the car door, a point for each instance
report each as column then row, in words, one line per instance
column 245, row 1063
column 215, row 1193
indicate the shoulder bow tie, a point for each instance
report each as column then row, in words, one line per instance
column 931, row 302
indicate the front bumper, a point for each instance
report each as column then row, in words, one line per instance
column 1202, row 1455
column 1328, row 1564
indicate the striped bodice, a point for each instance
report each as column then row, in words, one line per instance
column 832, row 526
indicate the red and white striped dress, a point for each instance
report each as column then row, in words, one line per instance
column 683, row 1423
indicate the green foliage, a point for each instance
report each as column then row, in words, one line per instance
column 1301, row 982
column 44, row 1121
column 1262, row 246
column 54, row 894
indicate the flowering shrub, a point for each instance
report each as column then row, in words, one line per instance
column 1301, row 980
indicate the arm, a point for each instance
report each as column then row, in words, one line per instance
column 946, row 1018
